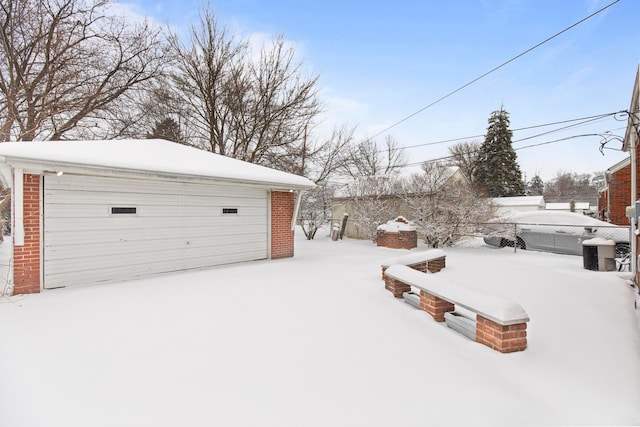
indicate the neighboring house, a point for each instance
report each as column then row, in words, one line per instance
column 614, row 199
column 577, row 207
column 87, row 212
column 623, row 179
column 505, row 205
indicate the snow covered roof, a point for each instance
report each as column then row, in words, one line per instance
column 520, row 201
column 149, row 157
column 396, row 225
column 566, row 206
column 620, row 165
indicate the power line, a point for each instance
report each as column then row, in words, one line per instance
column 444, row 158
column 494, row 69
column 584, row 120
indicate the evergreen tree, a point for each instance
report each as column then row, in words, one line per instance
column 535, row 187
column 167, row 129
column 498, row 171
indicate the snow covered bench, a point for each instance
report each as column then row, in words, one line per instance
column 432, row 260
column 501, row 324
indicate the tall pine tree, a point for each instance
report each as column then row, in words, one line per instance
column 167, row 129
column 497, row 170
column 535, row 187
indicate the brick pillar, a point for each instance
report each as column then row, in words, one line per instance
column 282, row 205
column 26, row 258
column 435, row 306
column 435, row 265
column 396, row 287
column 397, row 239
column 505, row 339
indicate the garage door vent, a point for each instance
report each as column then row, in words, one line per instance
column 230, row 211
column 124, row 210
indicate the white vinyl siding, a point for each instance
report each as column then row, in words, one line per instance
column 177, row 226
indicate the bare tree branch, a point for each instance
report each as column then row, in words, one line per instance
column 64, row 64
column 250, row 108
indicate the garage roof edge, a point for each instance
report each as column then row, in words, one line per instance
column 143, row 158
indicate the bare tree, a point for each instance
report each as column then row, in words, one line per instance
column 372, row 201
column 465, row 156
column 65, row 64
column 366, row 159
column 567, row 186
column 253, row 107
column 320, row 160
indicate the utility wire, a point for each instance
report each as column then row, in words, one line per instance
column 585, row 120
column 441, row 159
column 493, row 70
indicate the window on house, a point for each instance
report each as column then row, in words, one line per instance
column 229, row 211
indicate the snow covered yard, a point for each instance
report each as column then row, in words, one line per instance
column 317, row 341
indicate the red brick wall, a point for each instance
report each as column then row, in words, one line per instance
column 400, row 240
column 620, row 195
column 281, row 234
column 26, row 259
column 505, row 339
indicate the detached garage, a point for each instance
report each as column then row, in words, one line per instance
column 86, row 212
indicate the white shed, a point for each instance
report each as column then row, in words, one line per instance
column 87, row 212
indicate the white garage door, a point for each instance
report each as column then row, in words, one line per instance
column 110, row 229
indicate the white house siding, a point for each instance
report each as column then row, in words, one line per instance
column 177, row 226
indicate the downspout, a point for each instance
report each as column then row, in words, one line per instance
column 634, row 251
column 296, row 210
column 632, row 130
column 18, row 207
column 634, row 184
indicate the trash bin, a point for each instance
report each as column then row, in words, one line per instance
column 590, row 256
column 599, row 254
column 607, row 255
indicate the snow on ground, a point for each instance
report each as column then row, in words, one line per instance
column 317, row 341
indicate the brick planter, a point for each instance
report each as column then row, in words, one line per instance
column 500, row 324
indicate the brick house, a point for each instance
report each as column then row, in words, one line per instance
column 88, row 212
column 623, row 178
column 613, row 200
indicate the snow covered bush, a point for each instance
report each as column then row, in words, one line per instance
column 372, row 201
column 443, row 206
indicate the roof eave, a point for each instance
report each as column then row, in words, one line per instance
column 43, row 167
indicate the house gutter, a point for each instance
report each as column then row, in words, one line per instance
column 43, row 167
column 18, row 207
column 296, row 210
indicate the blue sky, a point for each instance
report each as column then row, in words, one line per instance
column 381, row 61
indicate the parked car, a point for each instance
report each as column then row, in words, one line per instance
column 559, row 232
